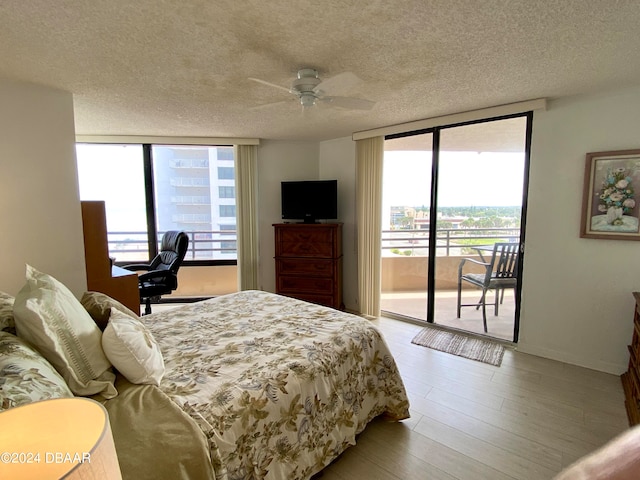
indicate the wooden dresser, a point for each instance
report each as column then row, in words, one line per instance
column 309, row 262
column 631, row 378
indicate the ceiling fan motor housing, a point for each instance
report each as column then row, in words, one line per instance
column 306, row 81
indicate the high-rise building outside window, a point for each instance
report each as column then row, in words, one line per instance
column 193, row 190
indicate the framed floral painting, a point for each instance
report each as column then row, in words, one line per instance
column 610, row 206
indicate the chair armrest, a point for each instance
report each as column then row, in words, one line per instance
column 155, row 275
column 477, row 262
column 137, row 266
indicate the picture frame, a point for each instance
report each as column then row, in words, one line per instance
column 611, row 196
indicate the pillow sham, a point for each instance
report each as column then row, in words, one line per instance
column 25, row 375
column 131, row 348
column 50, row 318
column 99, row 306
column 6, row 312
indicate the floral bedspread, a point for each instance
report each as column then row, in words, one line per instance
column 280, row 387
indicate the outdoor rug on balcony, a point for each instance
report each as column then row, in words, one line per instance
column 474, row 348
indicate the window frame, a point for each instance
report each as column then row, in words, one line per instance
column 153, row 239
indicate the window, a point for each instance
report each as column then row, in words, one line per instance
column 192, row 191
column 115, row 174
column 226, row 173
column 227, row 192
column 227, row 210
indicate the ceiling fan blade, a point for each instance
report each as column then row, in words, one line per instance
column 350, row 102
column 342, row 82
column 264, row 82
column 271, row 105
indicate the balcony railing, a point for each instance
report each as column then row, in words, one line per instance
column 222, row 244
column 449, row 241
column 203, row 245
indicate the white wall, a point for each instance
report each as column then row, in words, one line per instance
column 40, row 208
column 277, row 162
column 337, row 161
column 283, row 161
column 577, row 303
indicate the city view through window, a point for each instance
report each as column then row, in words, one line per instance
column 479, row 200
column 193, row 190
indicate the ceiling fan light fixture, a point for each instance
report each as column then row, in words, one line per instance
column 307, row 100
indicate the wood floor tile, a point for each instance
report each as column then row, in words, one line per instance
column 527, row 419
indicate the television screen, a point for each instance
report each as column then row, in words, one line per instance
column 310, row 200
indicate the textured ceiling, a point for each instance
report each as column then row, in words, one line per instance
column 169, row 67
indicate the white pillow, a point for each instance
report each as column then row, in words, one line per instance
column 55, row 323
column 131, row 348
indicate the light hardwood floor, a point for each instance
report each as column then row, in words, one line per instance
column 526, row 419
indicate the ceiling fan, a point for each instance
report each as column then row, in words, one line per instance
column 310, row 89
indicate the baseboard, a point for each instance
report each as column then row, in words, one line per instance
column 561, row 356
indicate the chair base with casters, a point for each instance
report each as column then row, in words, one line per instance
column 151, row 292
column 499, row 274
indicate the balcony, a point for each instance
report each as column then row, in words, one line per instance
column 189, row 181
column 190, row 163
column 404, row 278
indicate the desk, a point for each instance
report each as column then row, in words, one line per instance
column 116, row 282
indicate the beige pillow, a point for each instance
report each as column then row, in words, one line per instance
column 99, row 306
column 25, row 375
column 6, row 312
column 50, row 318
column 131, row 348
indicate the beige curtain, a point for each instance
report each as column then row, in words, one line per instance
column 246, row 167
column 369, row 155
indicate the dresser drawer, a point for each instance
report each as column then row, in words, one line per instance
column 293, row 284
column 303, row 266
column 300, row 249
column 327, row 300
column 301, row 234
column 321, row 240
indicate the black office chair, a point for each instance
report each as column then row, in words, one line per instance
column 161, row 275
column 499, row 273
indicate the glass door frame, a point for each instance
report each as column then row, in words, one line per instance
column 432, row 247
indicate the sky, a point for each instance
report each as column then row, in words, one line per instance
column 123, row 194
column 466, row 178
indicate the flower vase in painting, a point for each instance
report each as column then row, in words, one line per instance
column 615, row 201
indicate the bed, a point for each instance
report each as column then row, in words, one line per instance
column 255, row 385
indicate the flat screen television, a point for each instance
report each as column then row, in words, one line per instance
column 310, row 200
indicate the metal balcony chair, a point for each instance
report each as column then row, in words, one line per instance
column 161, row 275
column 500, row 272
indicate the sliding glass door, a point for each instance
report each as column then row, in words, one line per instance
column 451, row 194
column 406, row 201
